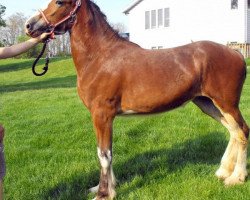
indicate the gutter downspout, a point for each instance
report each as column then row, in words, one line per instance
column 246, row 17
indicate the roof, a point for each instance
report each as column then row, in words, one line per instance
column 129, row 8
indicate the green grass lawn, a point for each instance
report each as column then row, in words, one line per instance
column 50, row 146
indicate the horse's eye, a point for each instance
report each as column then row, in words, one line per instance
column 59, row 3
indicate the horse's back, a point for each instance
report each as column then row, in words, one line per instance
column 173, row 76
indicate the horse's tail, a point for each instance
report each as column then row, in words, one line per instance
column 246, row 69
column 244, row 61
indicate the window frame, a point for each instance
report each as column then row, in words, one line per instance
column 157, row 18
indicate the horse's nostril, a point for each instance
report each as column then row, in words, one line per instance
column 28, row 26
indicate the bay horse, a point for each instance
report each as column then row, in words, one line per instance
column 118, row 77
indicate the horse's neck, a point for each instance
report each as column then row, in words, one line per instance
column 91, row 37
column 92, row 29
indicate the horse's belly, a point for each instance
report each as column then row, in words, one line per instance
column 154, row 102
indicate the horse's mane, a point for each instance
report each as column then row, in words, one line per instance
column 97, row 10
column 101, row 18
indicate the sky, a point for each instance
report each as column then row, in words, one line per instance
column 112, row 8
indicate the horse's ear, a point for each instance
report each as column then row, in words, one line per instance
column 81, row 0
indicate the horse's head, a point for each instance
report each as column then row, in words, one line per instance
column 58, row 18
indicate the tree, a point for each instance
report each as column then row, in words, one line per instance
column 14, row 28
column 15, row 25
column 2, row 11
column 60, row 46
column 119, row 27
column 14, row 33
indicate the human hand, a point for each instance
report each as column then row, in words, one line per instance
column 43, row 37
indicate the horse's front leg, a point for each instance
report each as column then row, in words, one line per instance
column 103, row 121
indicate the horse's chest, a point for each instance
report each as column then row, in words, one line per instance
column 88, row 92
column 84, row 93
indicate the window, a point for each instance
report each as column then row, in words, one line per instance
column 248, row 4
column 166, row 17
column 147, row 20
column 155, row 48
column 234, row 4
column 157, row 18
column 153, row 19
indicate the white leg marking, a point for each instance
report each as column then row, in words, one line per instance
column 229, row 158
column 240, row 171
column 234, row 161
column 105, row 159
column 107, row 169
column 113, row 179
column 112, row 184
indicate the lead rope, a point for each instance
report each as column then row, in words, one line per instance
column 46, row 67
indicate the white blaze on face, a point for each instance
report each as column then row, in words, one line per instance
column 39, row 21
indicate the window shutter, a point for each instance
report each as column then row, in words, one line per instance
column 160, row 17
column 166, row 17
column 153, row 18
column 147, row 20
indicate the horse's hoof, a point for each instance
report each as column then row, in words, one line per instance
column 231, row 181
column 102, row 198
column 108, row 197
column 235, row 179
column 94, row 189
column 223, row 174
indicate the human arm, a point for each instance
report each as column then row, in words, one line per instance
column 2, row 162
column 7, row 52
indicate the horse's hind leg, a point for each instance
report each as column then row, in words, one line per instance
column 236, row 126
column 230, row 155
column 239, row 136
column 208, row 107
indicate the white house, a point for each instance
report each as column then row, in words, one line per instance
column 155, row 24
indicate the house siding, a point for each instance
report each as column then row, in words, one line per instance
column 190, row 20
